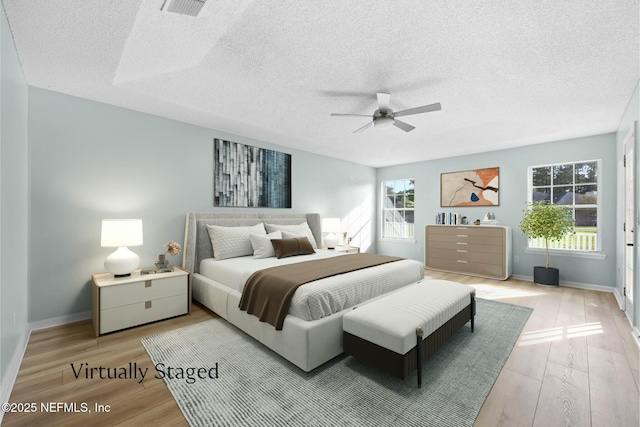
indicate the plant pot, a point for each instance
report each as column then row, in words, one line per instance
column 546, row 276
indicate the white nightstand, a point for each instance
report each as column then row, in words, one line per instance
column 123, row 302
column 348, row 249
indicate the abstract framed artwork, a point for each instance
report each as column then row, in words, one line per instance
column 247, row 176
column 479, row 187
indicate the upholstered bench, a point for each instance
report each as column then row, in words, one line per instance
column 400, row 330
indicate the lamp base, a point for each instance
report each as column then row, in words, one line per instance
column 122, row 262
column 331, row 241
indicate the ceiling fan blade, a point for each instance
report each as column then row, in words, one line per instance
column 350, row 115
column 383, row 101
column 419, row 110
column 363, row 127
column 404, row 126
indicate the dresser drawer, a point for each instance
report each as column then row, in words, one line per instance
column 141, row 291
column 468, row 231
column 461, row 266
column 138, row 313
column 436, row 245
column 465, row 255
column 466, row 239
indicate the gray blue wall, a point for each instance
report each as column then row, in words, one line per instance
column 92, row 161
column 513, row 164
column 14, row 213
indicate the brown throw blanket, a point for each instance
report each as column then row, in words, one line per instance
column 267, row 293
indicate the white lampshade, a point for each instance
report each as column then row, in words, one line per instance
column 120, row 233
column 331, row 225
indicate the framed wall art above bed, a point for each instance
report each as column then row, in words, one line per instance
column 478, row 187
column 248, row 176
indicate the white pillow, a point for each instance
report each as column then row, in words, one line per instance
column 300, row 229
column 261, row 243
column 231, row 242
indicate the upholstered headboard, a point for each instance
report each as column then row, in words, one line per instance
column 197, row 245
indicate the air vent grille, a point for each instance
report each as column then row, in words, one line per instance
column 184, row 7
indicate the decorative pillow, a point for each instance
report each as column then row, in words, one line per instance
column 300, row 229
column 231, row 242
column 261, row 243
column 292, row 247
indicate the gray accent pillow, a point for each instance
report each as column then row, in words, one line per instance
column 261, row 243
column 299, row 229
column 232, row 242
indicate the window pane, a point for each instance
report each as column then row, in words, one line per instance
column 586, row 217
column 409, row 200
column 586, row 194
column 563, row 195
column 563, row 174
column 408, row 216
column 389, row 216
column 540, row 194
column 586, row 172
column 389, row 201
column 541, row 176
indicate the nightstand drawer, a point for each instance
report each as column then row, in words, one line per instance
column 142, row 312
column 141, row 291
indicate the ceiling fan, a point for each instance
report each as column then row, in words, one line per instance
column 384, row 116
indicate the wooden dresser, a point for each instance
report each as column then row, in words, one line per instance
column 483, row 251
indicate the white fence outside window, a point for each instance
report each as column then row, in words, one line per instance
column 586, row 242
column 400, row 230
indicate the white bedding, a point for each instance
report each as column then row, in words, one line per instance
column 323, row 297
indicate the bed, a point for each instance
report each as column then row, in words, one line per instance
column 312, row 330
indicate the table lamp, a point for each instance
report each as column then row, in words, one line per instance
column 120, row 233
column 331, row 225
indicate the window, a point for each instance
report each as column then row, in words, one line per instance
column 398, row 209
column 574, row 185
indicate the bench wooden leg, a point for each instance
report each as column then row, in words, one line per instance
column 419, row 334
column 473, row 311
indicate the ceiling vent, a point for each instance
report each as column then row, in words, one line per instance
column 184, row 7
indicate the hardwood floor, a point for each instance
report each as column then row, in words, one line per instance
column 575, row 363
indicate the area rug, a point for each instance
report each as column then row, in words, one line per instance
column 253, row 386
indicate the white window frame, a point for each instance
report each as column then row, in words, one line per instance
column 597, row 253
column 409, row 232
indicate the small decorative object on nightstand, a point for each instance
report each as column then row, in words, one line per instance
column 123, row 302
column 173, row 249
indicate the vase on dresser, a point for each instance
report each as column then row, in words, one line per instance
column 162, row 261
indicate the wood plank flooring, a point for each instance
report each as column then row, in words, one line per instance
column 575, row 364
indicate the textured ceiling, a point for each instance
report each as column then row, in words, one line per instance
column 507, row 73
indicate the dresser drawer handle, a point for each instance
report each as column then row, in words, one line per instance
column 462, row 228
column 462, row 250
column 461, row 235
column 461, row 243
column 147, row 304
column 147, row 283
column 459, row 260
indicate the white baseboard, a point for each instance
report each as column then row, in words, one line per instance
column 10, row 375
column 57, row 321
column 568, row 284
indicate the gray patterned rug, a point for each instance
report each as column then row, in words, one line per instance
column 256, row 387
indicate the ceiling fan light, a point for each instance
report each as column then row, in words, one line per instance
column 383, row 122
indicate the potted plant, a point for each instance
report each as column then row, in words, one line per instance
column 550, row 222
